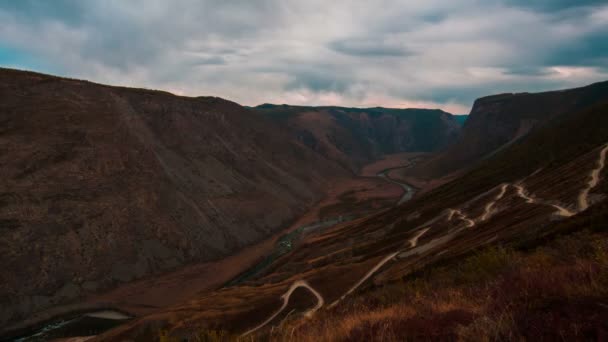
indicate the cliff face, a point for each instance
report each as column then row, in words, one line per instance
column 101, row 185
column 498, row 120
column 354, row 136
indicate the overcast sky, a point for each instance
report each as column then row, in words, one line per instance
column 317, row 52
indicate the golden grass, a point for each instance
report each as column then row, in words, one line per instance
column 494, row 295
column 558, row 291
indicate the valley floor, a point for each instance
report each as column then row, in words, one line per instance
column 359, row 195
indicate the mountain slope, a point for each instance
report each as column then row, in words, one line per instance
column 355, row 136
column 498, row 120
column 102, row 185
column 528, row 191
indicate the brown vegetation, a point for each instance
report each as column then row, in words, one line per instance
column 558, row 291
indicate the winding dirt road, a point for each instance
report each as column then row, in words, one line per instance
column 561, row 211
column 522, row 193
column 583, row 204
column 362, row 280
column 488, row 208
column 414, row 240
column 583, row 198
column 470, row 223
column 285, row 298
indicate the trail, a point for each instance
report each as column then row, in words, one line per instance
column 414, row 240
column 367, row 275
column 583, row 204
column 561, row 211
column 285, row 297
column 583, row 198
column 521, row 193
column 470, row 223
column 489, row 206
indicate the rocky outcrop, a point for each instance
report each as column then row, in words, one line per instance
column 498, row 120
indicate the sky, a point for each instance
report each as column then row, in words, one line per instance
column 431, row 53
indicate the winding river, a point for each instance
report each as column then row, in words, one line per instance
column 83, row 325
column 408, row 190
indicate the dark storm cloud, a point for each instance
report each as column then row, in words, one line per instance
column 387, row 52
column 589, row 50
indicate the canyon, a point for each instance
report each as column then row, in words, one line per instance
column 198, row 214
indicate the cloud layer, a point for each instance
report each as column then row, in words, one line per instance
column 356, row 53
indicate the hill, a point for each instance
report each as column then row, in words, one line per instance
column 498, row 120
column 103, row 185
column 552, row 181
column 356, row 136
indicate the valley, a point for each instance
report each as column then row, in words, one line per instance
column 303, row 171
column 418, row 232
column 339, row 204
column 347, row 199
column 441, row 225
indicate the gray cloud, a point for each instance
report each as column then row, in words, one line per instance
column 369, row 48
column 356, row 53
column 529, row 70
column 554, row 5
column 318, row 81
column 589, row 50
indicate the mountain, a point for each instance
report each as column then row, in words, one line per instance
column 356, row 136
column 498, row 120
column 476, row 232
column 103, row 185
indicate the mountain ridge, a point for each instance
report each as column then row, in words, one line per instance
column 356, row 136
column 501, row 119
column 134, row 183
column 519, row 196
column 137, row 182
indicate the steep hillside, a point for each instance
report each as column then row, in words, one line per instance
column 102, row 185
column 496, row 121
column 354, row 136
column 552, row 181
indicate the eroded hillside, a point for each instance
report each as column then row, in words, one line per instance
column 103, row 185
column 551, row 181
column 354, row 136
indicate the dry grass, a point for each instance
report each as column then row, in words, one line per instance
column 558, row 291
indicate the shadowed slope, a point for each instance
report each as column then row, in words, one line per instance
column 499, row 120
column 509, row 199
column 355, row 136
column 102, row 185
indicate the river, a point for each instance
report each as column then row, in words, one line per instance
column 84, row 325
